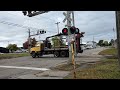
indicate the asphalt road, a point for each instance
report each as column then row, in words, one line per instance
column 40, row 68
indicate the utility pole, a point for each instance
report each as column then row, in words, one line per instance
column 114, row 33
column 57, row 26
column 8, row 42
column 93, row 41
column 69, row 43
column 38, row 33
column 118, row 33
column 74, row 34
column 29, row 45
column 31, row 14
column 81, row 40
column 114, row 37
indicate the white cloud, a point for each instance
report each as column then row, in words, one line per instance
column 94, row 23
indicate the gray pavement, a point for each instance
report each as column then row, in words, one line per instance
column 48, row 61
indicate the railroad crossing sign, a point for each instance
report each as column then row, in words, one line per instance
column 67, row 17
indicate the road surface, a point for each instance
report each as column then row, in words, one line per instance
column 40, row 68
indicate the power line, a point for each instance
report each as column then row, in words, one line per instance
column 46, row 18
column 38, row 17
column 26, row 27
column 18, row 25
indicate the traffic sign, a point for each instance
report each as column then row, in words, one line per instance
column 67, row 17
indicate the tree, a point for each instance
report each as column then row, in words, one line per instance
column 25, row 45
column 12, row 47
column 106, row 43
column 111, row 43
column 33, row 43
column 57, row 42
column 103, row 43
column 100, row 43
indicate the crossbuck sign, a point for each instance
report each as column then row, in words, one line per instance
column 67, row 17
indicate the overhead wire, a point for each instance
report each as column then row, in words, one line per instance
column 47, row 19
column 38, row 17
column 18, row 25
column 26, row 27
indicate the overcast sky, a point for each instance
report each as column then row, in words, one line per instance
column 97, row 24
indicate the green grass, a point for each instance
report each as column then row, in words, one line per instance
column 106, row 69
column 111, row 51
column 9, row 56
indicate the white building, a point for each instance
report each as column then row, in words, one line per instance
column 90, row 44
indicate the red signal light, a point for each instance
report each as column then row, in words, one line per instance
column 65, row 31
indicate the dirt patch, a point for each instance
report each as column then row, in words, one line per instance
column 65, row 67
column 53, row 73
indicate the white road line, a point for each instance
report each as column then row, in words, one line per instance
column 32, row 68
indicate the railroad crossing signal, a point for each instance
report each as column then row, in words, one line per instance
column 73, row 30
column 67, row 17
column 42, row 32
column 77, row 31
column 24, row 13
column 65, row 31
column 33, row 13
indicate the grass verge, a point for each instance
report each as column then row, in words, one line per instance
column 111, row 51
column 9, row 56
column 106, row 69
